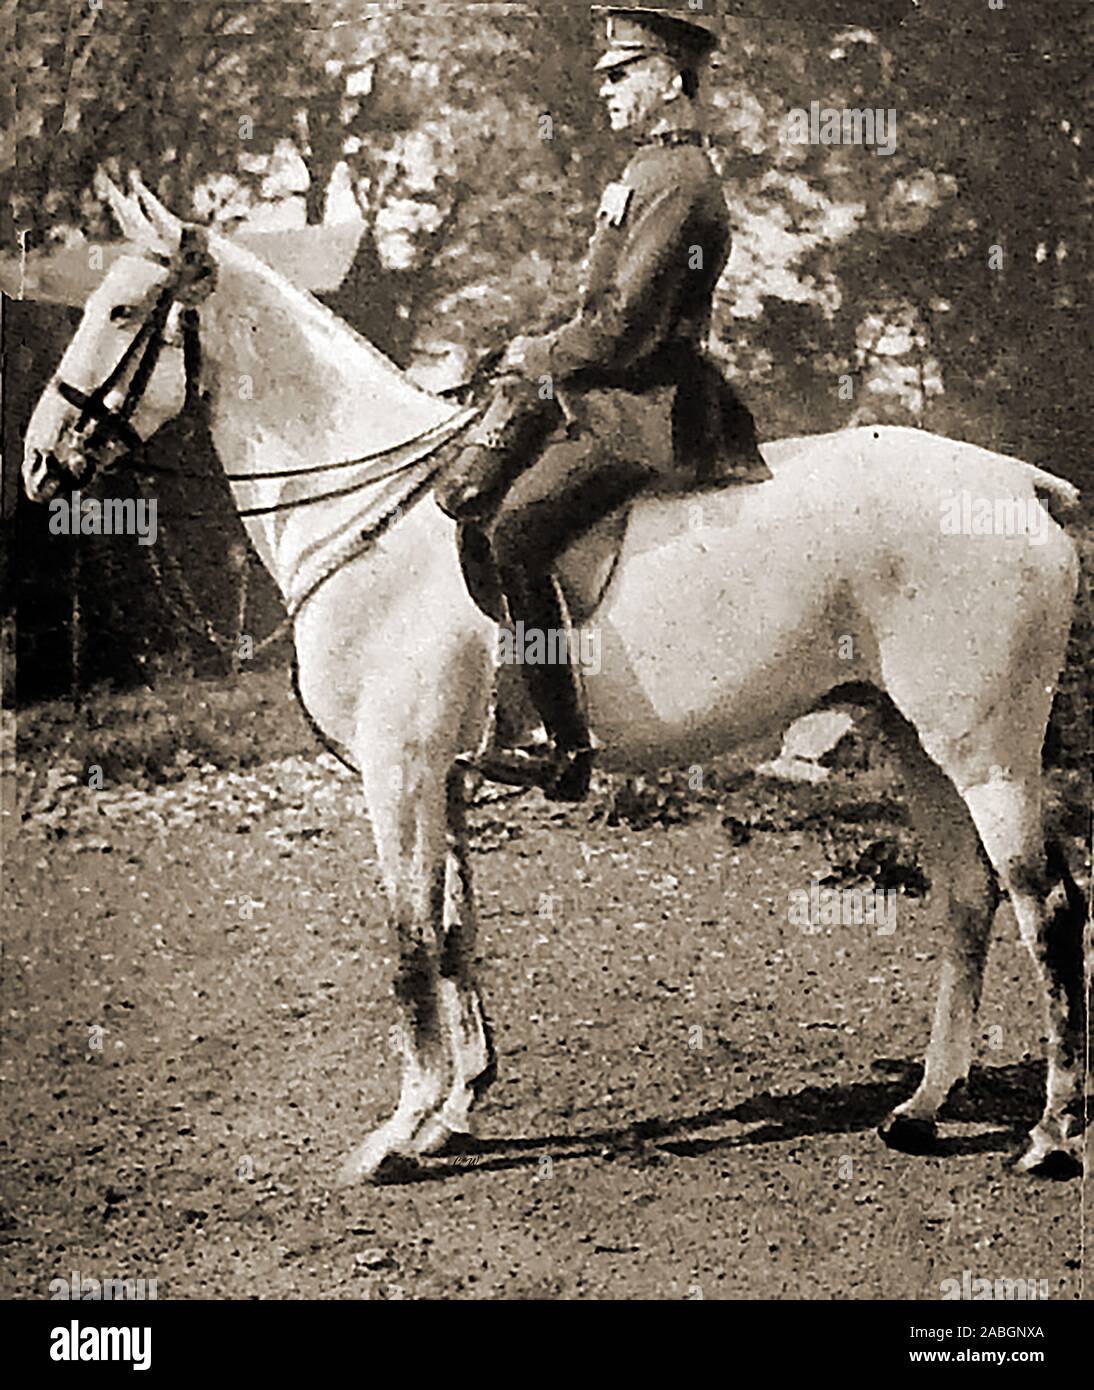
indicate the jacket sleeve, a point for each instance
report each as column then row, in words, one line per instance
column 632, row 317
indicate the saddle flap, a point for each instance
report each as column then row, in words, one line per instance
column 584, row 570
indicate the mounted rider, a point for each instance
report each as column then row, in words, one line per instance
column 661, row 243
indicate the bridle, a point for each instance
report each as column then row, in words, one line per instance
column 192, row 280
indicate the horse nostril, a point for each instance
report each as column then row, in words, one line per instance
column 44, row 476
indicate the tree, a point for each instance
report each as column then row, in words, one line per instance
column 939, row 284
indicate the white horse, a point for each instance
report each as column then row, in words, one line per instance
column 729, row 614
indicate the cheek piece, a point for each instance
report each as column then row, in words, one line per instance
column 191, row 281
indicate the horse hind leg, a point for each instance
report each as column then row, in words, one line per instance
column 994, row 819
column 1051, row 913
column 964, row 896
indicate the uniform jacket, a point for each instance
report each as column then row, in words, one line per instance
column 661, row 243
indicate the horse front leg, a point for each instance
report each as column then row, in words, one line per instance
column 408, row 808
column 416, row 805
column 465, row 1027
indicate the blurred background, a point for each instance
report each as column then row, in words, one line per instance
column 449, row 160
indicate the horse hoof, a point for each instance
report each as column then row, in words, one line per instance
column 442, row 1133
column 388, row 1168
column 397, row 1169
column 373, row 1160
column 908, row 1135
column 1057, row 1165
column 458, row 1145
column 357, row 1169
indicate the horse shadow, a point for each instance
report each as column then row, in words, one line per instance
column 1007, row 1099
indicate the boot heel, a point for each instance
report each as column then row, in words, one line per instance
column 573, row 782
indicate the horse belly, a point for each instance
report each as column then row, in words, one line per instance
column 710, row 639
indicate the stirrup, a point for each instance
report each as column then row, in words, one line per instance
column 561, row 774
column 572, row 783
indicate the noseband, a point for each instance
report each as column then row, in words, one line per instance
column 192, row 280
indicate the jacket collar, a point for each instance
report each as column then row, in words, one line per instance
column 669, row 139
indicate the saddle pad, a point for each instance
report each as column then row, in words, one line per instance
column 586, row 568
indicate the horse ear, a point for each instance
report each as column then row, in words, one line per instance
column 165, row 222
column 132, row 223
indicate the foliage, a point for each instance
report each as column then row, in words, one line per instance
column 942, row 284
column 155, row 734
column 467, row 139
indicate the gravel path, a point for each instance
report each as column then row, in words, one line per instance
column 197, row 1024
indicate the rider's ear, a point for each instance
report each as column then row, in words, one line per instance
column 670, row 81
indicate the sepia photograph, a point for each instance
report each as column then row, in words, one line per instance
column 546, row 666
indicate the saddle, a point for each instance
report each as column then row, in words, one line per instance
column 584, row 571
column 697, row 431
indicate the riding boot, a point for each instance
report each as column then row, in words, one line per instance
column 562, row 768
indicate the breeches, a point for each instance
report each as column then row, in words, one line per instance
column 569, row 489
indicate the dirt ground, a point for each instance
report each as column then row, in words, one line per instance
column 197, row 1027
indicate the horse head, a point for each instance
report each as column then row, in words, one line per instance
column 126, row 371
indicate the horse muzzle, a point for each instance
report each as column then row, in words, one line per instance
column 57, row 472
column 44, row 477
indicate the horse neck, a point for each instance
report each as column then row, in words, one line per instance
column 291, row 389
column 293, row 386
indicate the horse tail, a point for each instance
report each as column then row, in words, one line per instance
column 1057, row 494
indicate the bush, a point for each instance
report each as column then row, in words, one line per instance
column 155, row 735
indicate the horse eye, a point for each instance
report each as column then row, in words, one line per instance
column 121, row 313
